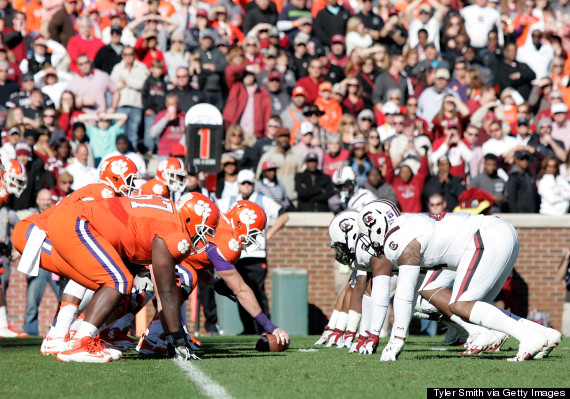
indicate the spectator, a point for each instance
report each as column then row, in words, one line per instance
column 79, row 169
column 279, row 97
column 82, row 43
column 40, row 55
column 365, row 123
column 358, row 160
column 153, row 97
column 454, row 148
column 177, row 56
column 288, row 162
column 490, row 181
column 427, row 19
column 332, row 111
column 431, row 99
column 311, row 83
column 60, row 161
column 292, row 116
column 561, row 125
column 124, row 148
column 52, row 83
column 60, row 27
column 436, row 204
column 313, row 186
column 521, row 192
column 545, row 144
column 389, row 128
column 130, row 75
column 7, row 86
column 471, row 138
column 259, row 11
column 168, row 126
column 444, row 183
column 103, row 136
column 537, row 55
column 8, row 149
column 335, row 155
column 235, row 142
column 270, row 186
column 357, row 37
column 305, row 145
column 554, row 190
column 392, row 78
column 226, row 180
column 292, row 16
column 214, row 61
column 248, row 104
column 41, row 147
column 146, row 49
column 263, row 144
column 499, row 143
column 512, row 73
column 372, row 22
column 91, row 86
column 375, row 183
column 354, row 102
column 68, row 113
column 480, row 19
column 62, row 188
column 79, row 136
column 406, row 145
column 37, row 285
column 186, row 94
column 408, row 185
column 330, row 21
column 448, row 115
column 299, row 60
column 111, row 54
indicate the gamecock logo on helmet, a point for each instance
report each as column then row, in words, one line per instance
column 345, row 225
column 368, row 219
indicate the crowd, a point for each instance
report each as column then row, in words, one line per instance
column 423, row 96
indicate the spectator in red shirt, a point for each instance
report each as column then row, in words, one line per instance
column 146, row 50
column 408, row 187
column 83, row 43
column 335, row 154
column 311, row 83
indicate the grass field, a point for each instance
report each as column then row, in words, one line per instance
column 300, row 372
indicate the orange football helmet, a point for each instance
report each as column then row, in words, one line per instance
column 249, row 220
column 15, row 177
column 119, row 173
column 4, row 194
column 201, row 217
column 172, row 172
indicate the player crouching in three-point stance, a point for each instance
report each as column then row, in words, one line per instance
column 96, row 244
column 482, row 250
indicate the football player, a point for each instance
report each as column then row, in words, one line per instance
column 170, row 177
column 481, row 249
column 117, row 177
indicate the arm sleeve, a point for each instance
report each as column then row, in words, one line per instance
column 217, row 259
column 403, row 299
column 58, row 52
column 158, row 127
column 380, row 300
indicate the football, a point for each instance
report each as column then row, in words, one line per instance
column 268, row 343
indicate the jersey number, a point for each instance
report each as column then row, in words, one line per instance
column 205, row 135
column 166, row 204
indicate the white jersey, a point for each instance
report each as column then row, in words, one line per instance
column 443, row 238
column 479, row 21
column 360, row 198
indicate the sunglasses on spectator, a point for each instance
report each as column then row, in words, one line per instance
column 228, row 163
column 367, row 120
column 251, row 44
column 374, row 137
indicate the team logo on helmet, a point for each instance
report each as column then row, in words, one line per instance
column 119, row 167
column 158, row 189
column 234, row 244
column 179, row 204
column 393, row 246
column 107, row 193
column 368, row 219
column 247, row 216
column 202, row 209
column 183, row 246
column 345, row 225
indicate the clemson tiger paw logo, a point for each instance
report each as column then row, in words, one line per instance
column 202, row 208
column 234, row 244
column 158, row 189
column 247, row 216
column 107, row 193
column 183, row 246
column 119, row 167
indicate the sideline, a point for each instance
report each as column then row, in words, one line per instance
column 209, row 387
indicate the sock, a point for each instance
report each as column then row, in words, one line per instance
column 3, row 317
column 472, row 329
column 366, row 314
column 533, row 326
column 74, row 289
column 64, row 320
column 353, row 321
column 183, row 318
column 124, row 322
column 334, row 317
column 86, row 299
column 511, row 315
column 75, row 325
column 489, row 316
column 380, row 300
column 86, row 330
column 342, row 320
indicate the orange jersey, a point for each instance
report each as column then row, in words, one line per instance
column 228, row 248
column 155, row 187
column 130, row 225
column 90, row 192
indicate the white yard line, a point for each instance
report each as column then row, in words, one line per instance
column 209, row 387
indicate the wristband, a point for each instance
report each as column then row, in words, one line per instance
column 179, row 338
column 265, row 322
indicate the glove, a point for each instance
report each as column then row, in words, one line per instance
column 184, row 353
column 193, row 342
column 392, row 350
column 370, row 345
column 356, row 345
column 181, row 346
column 222, row 288
column 347, row 339
column 324, row 337
column 334, row 337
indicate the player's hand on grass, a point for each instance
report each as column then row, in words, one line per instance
column 334, row 337
column 392, row 350
column 324, row 336
column 356, row 345
column 181, row 346
column 185, row 353
column 370, row 345
column 347, row 339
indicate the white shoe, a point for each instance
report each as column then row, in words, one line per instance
column 529, row 347
column 152, row 344
column 53, row 345
column 85, row 350
column 554, row 338
column 482, row 342
column 8, row 332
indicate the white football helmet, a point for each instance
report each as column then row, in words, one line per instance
column 343, row 232
column 15, row 177
column 375, row 220
column 344, row 177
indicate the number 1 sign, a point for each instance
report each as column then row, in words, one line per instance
column 204, row 144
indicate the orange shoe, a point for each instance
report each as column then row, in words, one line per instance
column 85, row 350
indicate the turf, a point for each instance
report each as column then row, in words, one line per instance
column 300, row 372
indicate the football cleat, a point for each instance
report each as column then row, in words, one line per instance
column 496, row 347
column 325, row 336
column 8, row 332
column 85, row 350
column 347, row 339
column 152, row 344
column 530, row 347
column 117, row 339
column 554, row 338
column 53, row 345
column 356, row 345
column 334, row 337
column 482, row 342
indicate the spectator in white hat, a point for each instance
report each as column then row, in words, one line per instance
column 305, row 146
column 561, row 125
